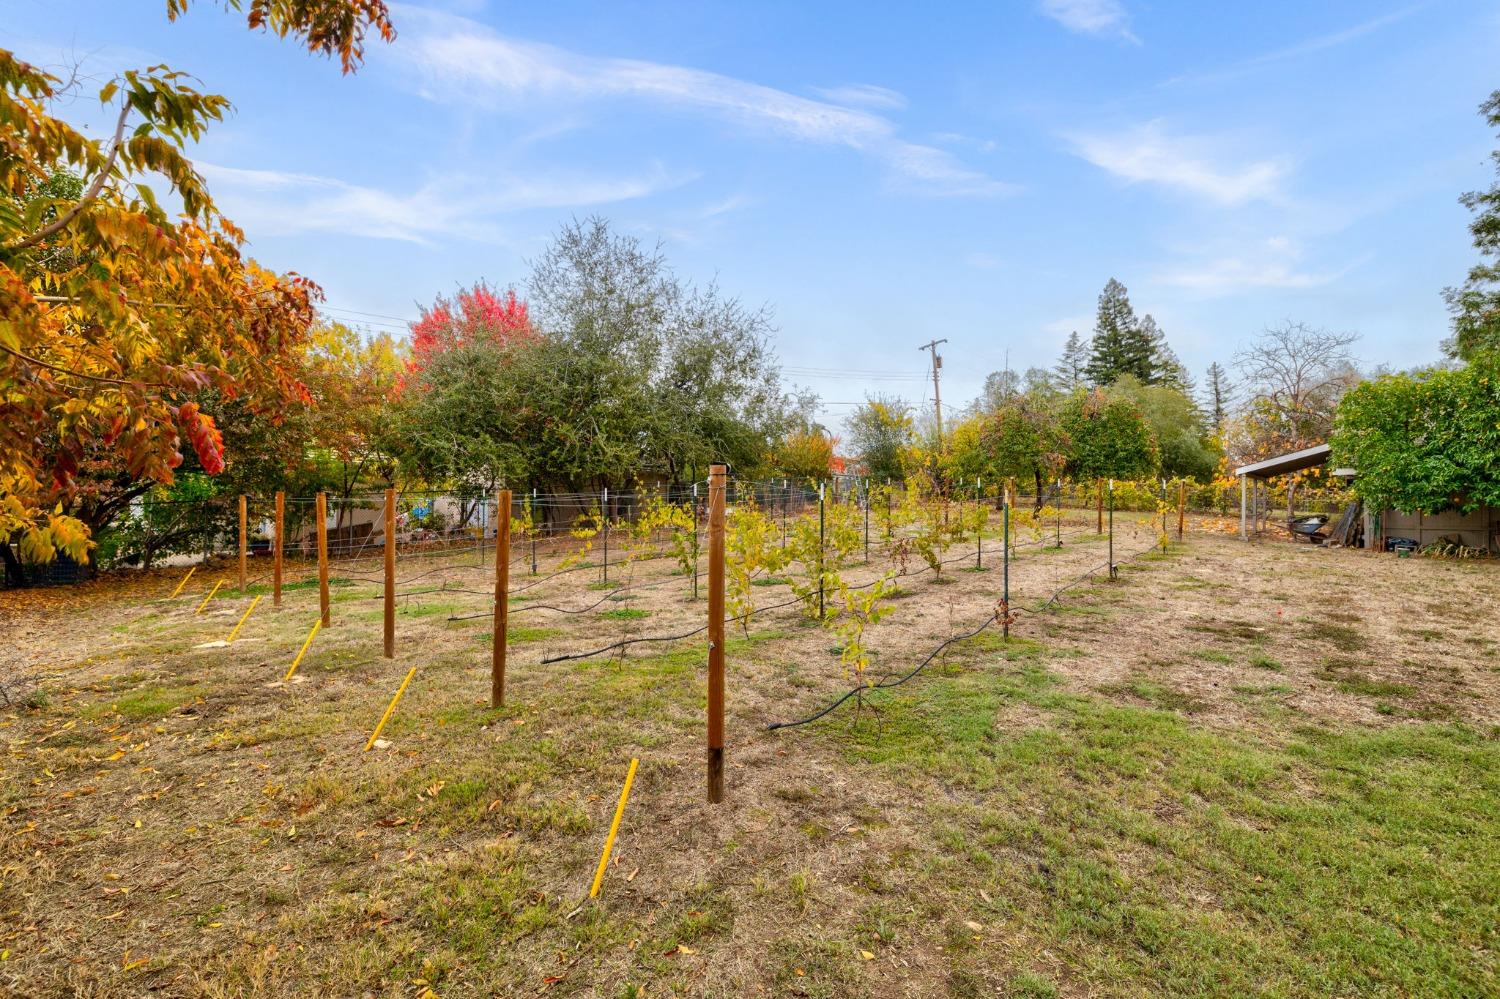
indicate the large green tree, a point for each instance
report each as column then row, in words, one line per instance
column 881, row 433
column 1108, row 438
column 1182, row 438
column 1120, row 345
column 628, row 373
column 1026, row 440
column 1475, row 305
column 1428, row 441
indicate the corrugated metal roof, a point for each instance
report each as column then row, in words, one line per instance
column 1294, row 461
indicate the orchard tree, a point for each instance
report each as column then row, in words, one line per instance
column 1107, row 438
column 1026, row 440
column 118, row 315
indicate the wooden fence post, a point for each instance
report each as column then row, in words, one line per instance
column 276, row 550
column 502, row 598
column 716, row 486
column 390, row 573
column 323, row 558
column 244, row 516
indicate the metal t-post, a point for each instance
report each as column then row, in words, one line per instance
column 822, row 522
column 604, row 512
column 978, row 524
column 1112, row 570
column 1005, row 591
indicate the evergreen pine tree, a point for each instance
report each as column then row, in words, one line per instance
column 1218, row 395
column 1120, row 345
column 1072, row 367
column 1166, row 369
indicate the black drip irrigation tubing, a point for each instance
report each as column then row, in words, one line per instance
column 567, row 657
column 887, row 682
column 702, row 628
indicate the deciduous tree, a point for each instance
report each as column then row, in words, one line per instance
column 115, row 315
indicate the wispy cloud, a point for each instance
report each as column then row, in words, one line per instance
column 462, row 61
column 1149, row 154
column 863, row 95
column 1091, row 17
column 270, row 202
column 1273, row 263
column 1307, row 47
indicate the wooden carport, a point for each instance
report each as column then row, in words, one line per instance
column 1260, row 471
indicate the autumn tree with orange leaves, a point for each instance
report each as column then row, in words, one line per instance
column 117, row 314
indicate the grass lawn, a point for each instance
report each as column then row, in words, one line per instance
column 1236, row 770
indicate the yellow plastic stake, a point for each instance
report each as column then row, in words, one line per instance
column 237, row 627
column 209, row 597
column 316, row 625
column 614, row 827
column 183, row 583
column 387, row 716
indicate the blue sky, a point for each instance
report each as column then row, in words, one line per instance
column 879, row 174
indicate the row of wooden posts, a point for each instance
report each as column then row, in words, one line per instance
column 717, row 480
column 717, row 488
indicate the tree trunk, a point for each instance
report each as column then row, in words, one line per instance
column 14, row 576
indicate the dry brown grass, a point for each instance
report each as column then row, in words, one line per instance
column 176, row 822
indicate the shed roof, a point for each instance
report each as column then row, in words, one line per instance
column 1295, row 461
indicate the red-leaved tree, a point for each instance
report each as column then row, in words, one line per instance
column 474, row 315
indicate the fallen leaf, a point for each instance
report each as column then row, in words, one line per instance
column 867, row 955
column 684, row 949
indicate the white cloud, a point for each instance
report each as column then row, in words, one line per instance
column 461, row 61
column 863, row 95
column 1149, row 154
column 269, row 202
column 1270, row 263
column 1091, row 17
column 1308, row 47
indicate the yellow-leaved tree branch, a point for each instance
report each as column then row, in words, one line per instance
column 116, row 314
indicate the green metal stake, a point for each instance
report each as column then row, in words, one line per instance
column 1113, row 572
column 978, row 528
column 1005, row 592
column 821, row 525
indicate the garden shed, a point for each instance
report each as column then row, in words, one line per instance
column 1479, row 528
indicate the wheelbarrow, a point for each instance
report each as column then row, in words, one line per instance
column 1309, row 529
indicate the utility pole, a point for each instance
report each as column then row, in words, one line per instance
column 937, row 398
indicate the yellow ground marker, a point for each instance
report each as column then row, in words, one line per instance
column 295, row 662
column 614, row 828
column 387, row 716
column 183, row 583
column 209, row 597
column 237, row 627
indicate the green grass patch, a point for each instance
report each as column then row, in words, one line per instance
column 625, row 614
column 1152, row 856
column 146, row 703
